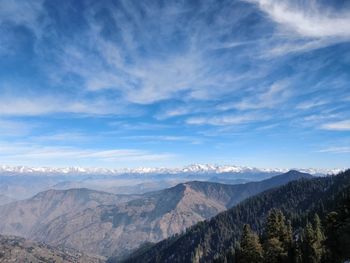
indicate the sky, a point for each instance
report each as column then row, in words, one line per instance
column 128, row 83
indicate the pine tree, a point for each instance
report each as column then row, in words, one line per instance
column 274, row 251
column 272, row 226
column 251, row 250
column 338, row 234
column 277, row 238
column 289, row 244
column 318, row 239
column 308, row 250
column 313, row 249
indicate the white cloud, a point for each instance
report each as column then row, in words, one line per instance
column 222, row 120
column 337, row 126
column 39, row 154
column 166, row 138
column 174, row 112
column 12, row 105
column 336, row 150
column 297, row 47
column 306, row 105
column 22, row 12
column 14, row 128
column 64, row 137
column 269, row 98
column 307, row 18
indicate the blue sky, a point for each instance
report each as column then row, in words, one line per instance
column 131, row 83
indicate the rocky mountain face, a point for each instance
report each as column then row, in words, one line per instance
column 105, row 224
column 16, row 249
column 22, row 218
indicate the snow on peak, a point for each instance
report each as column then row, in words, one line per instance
column 193, row 168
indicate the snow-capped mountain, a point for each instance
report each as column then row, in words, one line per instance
column 191, row 169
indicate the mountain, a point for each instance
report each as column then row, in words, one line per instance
column 118, row 228
column 22, row 218
column 16, row 249
column 207, row 241
column 22, row 182
column 191, row 169
column 118, row 186
column 5, row 199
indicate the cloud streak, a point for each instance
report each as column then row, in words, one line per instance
column 337, row 126
column 225, row 119
column 307, row 18
column 343, row 149
column 43, row 155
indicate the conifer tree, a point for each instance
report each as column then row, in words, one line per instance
column 276, row 238
column 313, row 249
column 319, row 239
column 274, row 251
column 308, row 249
column 250, row 248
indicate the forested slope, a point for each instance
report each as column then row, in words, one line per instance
column 212, row 239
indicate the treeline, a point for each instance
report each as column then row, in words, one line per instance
column 217, row 239
column 314, row 243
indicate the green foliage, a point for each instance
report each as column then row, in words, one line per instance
column 251, row 250
column 310, row 245
column 337, row 229
column 277, row 237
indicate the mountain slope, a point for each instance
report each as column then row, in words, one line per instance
column 230, row 195
column 16, row 249
column 22, row 218
column 5, row 199
column 208, row 240
column 118, row 229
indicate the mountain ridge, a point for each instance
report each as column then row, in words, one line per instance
column 111, row 229
column 190, row 169
column 213, row 238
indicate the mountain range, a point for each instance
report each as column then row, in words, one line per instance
column 190, row 169
column 115, row 225
column 210, row 240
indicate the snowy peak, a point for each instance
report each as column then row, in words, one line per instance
column 190, row 169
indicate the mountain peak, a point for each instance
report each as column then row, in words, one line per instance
column 190, row 169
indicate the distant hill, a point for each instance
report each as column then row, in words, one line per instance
column 22, row 218
column 5, row 199
column 106, row 224
column 23, row 182
column 16, row 249
column 211, row 239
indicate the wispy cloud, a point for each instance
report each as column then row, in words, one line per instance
column 311, row 104
column 225, row 119
column 337, row 126
column 15, row 128
column 307, row 18
column 63, row 137
column 163, row 138
column 36, row 153
column 343, row 149
column 269, row 98
column 22, row 13
column 17, row 105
